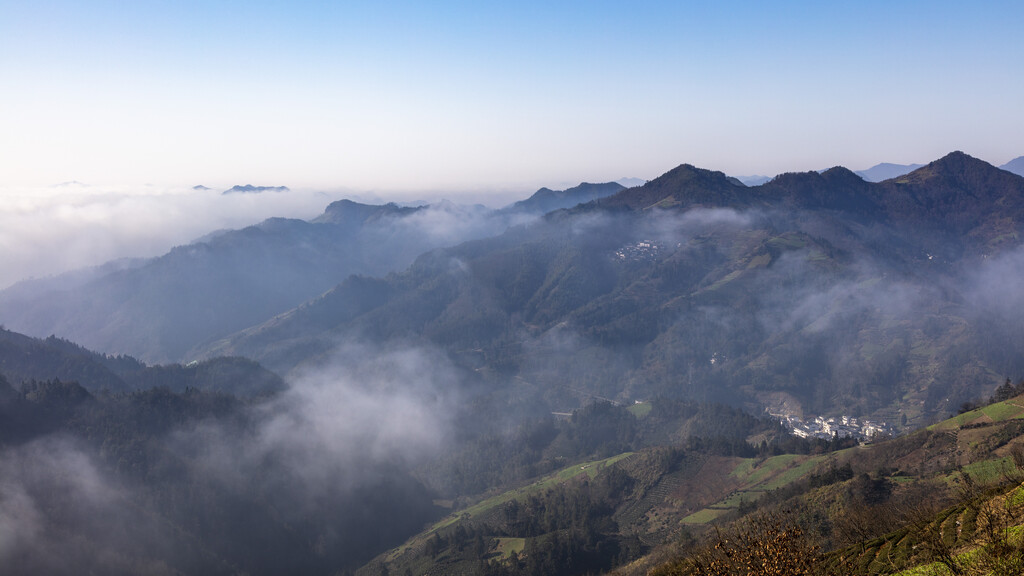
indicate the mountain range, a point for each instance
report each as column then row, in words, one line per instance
column 594, row 380
column 250, row 189
column 885, row 171
column 158, row 309
column 814, row 293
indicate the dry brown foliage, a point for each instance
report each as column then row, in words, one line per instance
column 765, row 544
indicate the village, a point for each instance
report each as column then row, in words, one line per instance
column 645, row 250
column 839, row 427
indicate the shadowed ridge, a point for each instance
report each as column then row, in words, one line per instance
column 834, row 189
column 546, row 200
column 960, row 195
column 954, row 180
column 957, row 168
column 682, row 187
column 349, row 213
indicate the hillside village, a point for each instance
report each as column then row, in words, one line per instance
column 828, row 427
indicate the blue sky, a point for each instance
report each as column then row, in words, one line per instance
column 489, row 97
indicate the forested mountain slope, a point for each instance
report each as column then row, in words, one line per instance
column 25, row 359
column 813, row 293
column 158, row 309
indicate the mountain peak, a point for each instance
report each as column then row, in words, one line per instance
column 545, row 200
column 840, row 174
column 957, row 168
column 957, row 193
column 691, row 172
column 886, row 171
column 837, row 188
column 349, row 213
column 958, row 159
column 683, row 186
column 250, row 189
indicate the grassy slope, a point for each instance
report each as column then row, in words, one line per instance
column 958, row 527
column 708, row 489
column 978, row 443
column 753, row 479
column 696, row 494
column 488, row 504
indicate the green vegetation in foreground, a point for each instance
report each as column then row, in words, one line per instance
column 997, row 412
column 1003, row 411
column 968, row 561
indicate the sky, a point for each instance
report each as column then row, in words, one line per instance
column 134, row 103
column 489, row 96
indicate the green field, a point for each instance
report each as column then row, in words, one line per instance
column 640, row 410
column 787, row 241
column 704, row 516
column 507, row 546
column 757, row 478
column 750, row 472
column 550, row 481
column 793, row 474
column 1001, row 411
column 987, row 471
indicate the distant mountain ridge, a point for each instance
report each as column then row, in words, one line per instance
column 158, row 309
column 250, row 189
column 683, row 186
column 1016, row 166
column 886, row 170
column 546, row 200
column 642, row 269
column 24, row 359
column 753, row 180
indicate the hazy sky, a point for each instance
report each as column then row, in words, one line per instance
column 496, row 96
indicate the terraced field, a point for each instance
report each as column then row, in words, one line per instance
column 998, row 412
column 953, row 529
column 665, row 489
column 958, row 533
column 753, row 478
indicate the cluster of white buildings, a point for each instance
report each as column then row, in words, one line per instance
column 644, row 250
column 842, row 427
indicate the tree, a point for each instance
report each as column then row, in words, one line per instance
column 764, row 544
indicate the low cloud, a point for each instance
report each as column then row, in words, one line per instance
column 328, row 462
column 61, row 513
column 806, row 300
column 338, row 426
column 46, row 231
